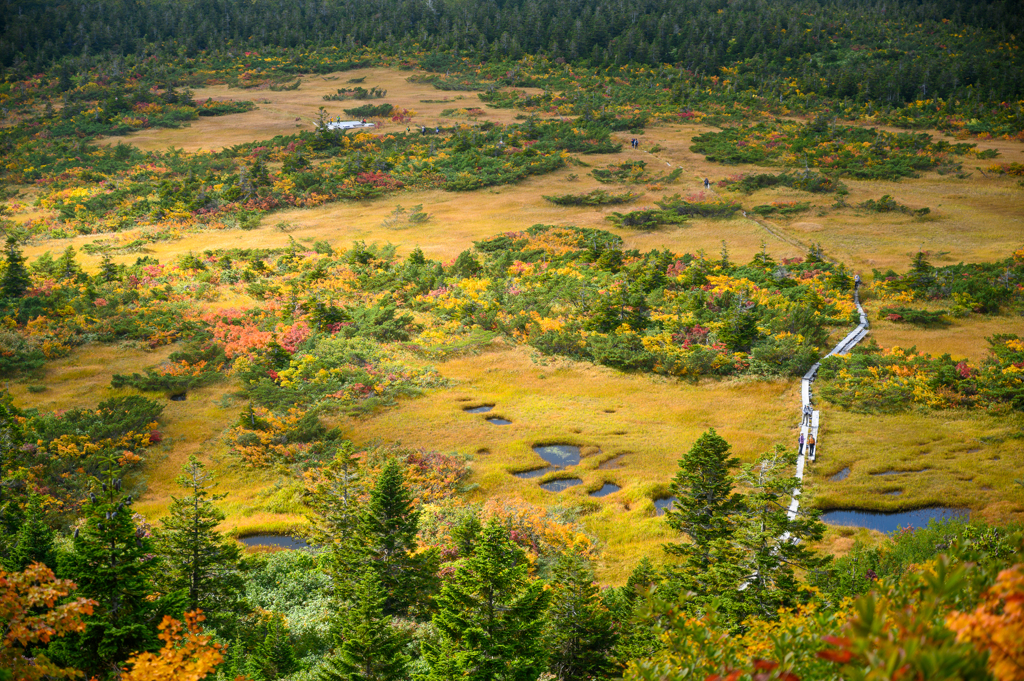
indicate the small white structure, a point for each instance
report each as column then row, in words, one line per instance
column 348, row 125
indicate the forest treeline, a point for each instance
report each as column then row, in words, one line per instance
column 862, row 49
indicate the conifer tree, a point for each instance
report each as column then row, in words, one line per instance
column 636, row 637
column 34, row 541
column 16, row 279
column 199, row 559
column 274, row 656
column 370, row 649
column 580, row 631
column 705, row 502
column 387, row 542
column 772, row 545
column 490, row 616
column 113, row 563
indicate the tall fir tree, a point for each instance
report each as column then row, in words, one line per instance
column 34, row 541
column 636, row 637
column 772, row 545
column 490, row 616
column 387, row 542
column 16, row 278
column 274, row 656
column 369, row 647
column 705, row 503
column 113, row 563
column 580, row 631
column 199, row 560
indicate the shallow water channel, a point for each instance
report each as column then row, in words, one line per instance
column 559, row 485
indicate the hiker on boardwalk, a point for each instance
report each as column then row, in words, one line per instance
column 810, row 445
column 808, row 413
column 856, row 282
column 800, row 444
column 707, row 183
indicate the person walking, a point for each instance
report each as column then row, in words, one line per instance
column 800, row 444
column 707, row 183
column 806, row 420
column 810, row 444
column 856, row 282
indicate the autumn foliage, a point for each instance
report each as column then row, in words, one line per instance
column 30, row 616
column 187, row 655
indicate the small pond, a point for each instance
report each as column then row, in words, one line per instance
column 606, row 489
column 535, row 473
column 559, row 455
column 890, row 522
column 894, row 493
column 482, row 409
column 278, row 540
column 498, row 421
column 661, row 505
column 179, row 397
column 559, row 485
column 841, row 475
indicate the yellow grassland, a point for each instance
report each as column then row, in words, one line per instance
column 652, row 420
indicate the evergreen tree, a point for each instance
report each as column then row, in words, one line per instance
column 112, row 563
column 34, row 541
column 66, row 267
column 580, row 631
column 636, row 637
column 772, row 545
column 705, row 502
column 199, row 559
column 370, row 647
column 387, row 542
column 16, row 279
column 274, row 656
column 490, row 616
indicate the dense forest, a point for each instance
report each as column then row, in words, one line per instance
column 406, row 573
column 892, row 52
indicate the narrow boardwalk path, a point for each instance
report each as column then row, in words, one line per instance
column 811, row 417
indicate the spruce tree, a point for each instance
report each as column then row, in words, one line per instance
column 772, row 546
column 16, row 278
column 199, row 560
column 370, row 649
column 113, row 563
column 274, row 656
column 705, row 502
column 387, row 542
column 34, row 540
column 580, row 631
column 490, row 616
column 636, row 637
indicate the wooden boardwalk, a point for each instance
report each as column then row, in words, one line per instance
column 810, row 426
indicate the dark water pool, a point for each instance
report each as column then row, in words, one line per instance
column 559, row 455
column 482, row 409
column 660, row 505
column 890, row 522
column 498, row 421
column 279, row 540
column 535, row 473
column 841, row 475
column 559, row 485
column 179, row 397
column 606, row 489
column 920, row 470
